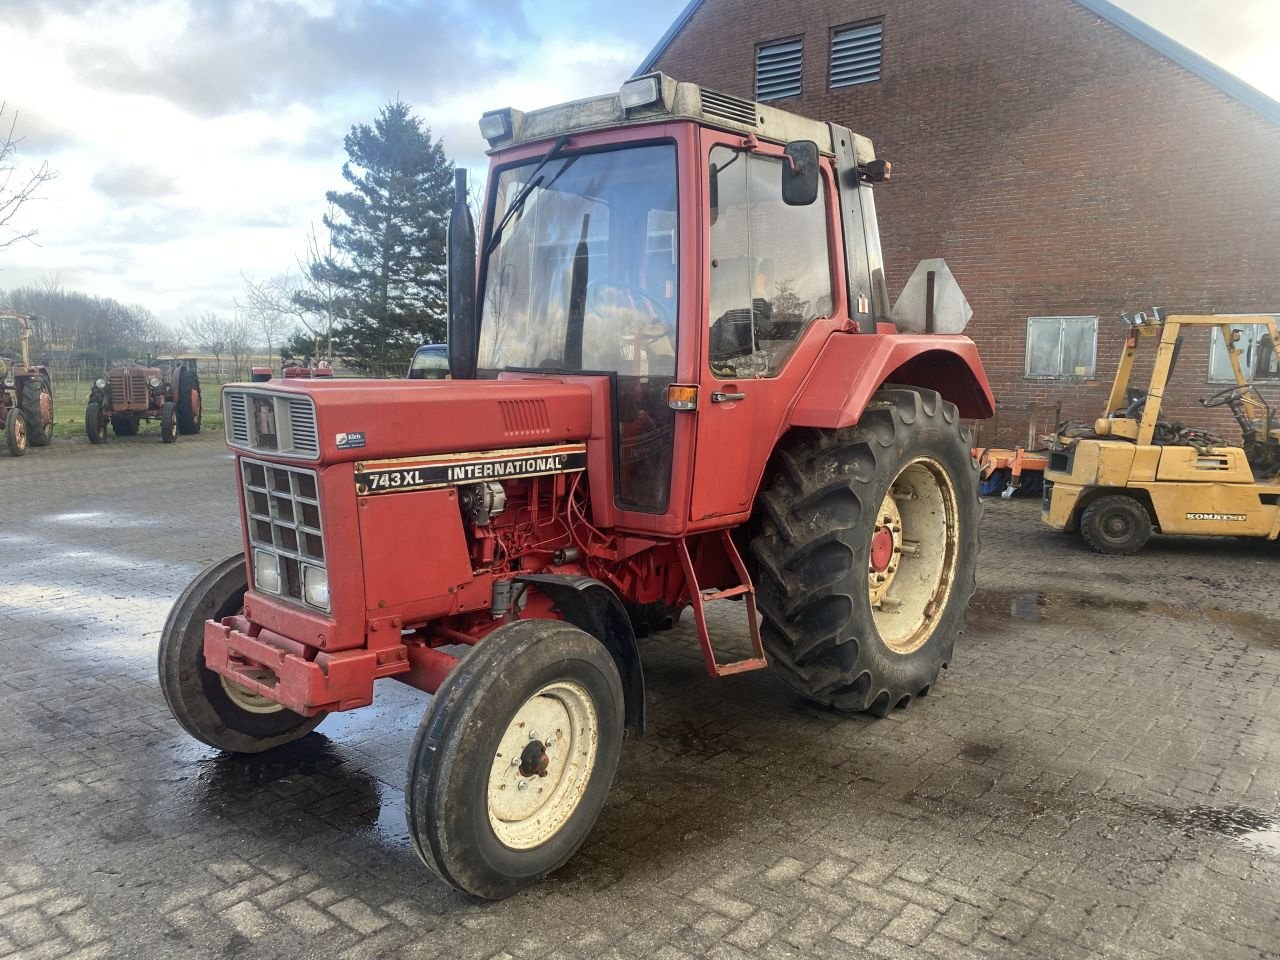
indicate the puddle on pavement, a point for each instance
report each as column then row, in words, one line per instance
column 990, row 608
column 1250, row 827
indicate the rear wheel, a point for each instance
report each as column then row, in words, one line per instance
column 37, row 407
column 95, row 423
column 126, row 426
column 514, row 757
column 212, row 709
column 867, row 553
column 188, row 402
column 169, row 422
column 1118, row 525
column 15, row 432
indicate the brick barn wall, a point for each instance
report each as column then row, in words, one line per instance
column 1061, row 166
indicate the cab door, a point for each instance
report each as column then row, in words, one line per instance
column 772, row 297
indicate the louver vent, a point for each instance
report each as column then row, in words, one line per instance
column 238, row 419
column 728, row 108
column 855, row 55
column 302, row 424
column 525, row 418
column 778, row 69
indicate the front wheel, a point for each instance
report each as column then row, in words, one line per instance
column 1118, row 525
column 188, row 402
column 168, row 422
column 514, row 757
column 95, row 423
column 867, row 553
column 214, row 710
column 37, row 405
column 15, row 432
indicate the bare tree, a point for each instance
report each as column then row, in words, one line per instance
column 208, row 332
column 239, row 335
column 269, row 307
column 16, row 188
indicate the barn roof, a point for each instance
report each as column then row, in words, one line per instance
column 1224, row 80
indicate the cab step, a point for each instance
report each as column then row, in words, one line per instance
column 701, row 596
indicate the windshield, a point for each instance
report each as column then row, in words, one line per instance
column 582, row 278
column 429, row 364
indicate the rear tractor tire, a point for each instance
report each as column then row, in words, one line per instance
column 15, row 432
column 95, row 423
column 867, row 553
column 216, row 711
column 1118, row 525
column 168, row 422
column 188, row 402
column 37, row 407
column 514, row 757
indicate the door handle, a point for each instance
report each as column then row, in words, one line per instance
column 718, row 397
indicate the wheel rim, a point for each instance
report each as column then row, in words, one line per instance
column 46, row 409
column 20, row 432
column 543, row 765
column 1116, row 527
column 917, row 526
column 248, row 700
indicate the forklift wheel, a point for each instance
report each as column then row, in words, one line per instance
column 95, row 424
column 168, row 422
column 217, row 712
column 1118, row 525
column 514, row 757
column 15, row 432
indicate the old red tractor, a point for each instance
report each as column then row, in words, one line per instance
column 675, row 383
column 164, row 390
column 26, row 395
column 291, row 369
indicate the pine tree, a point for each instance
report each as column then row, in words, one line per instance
column 389, row 239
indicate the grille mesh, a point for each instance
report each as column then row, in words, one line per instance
column 729, row 108
column 302, row 426
column 266, row 421
column 282, row 511
column 238, row 419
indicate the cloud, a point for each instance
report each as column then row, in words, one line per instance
column 134, row 182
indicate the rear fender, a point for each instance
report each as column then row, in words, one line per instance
column 852, row 368
column 591, row 606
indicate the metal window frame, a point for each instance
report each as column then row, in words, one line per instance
column 755, row 66
column 1027, row 374
column 1216, row 347
column 831, row 50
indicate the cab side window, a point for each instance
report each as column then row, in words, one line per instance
column 770, row 269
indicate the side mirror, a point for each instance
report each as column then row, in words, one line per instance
column 800, row 173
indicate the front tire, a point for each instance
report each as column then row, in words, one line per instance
column 483, row 737
column 188, row 402
column 15, row 432
column 867, row 554
column 1117, row 525
column 37, row 406
column 217, row 712
column 168, row 422
column 95, row 423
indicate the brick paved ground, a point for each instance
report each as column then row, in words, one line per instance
column 1097, row 775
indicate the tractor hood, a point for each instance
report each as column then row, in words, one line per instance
column 331, row 421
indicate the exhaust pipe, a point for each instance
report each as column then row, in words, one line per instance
column 460, row 265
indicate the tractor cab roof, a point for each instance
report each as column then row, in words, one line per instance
column 655, row 97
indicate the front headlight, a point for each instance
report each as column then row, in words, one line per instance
column 155, row 383
column 266, row 571
column 9, row 381
column 315, row 586
column 100, row 384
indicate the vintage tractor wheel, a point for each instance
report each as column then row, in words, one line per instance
column 1118, row 525
column 95, row 423
column 124, row 426
column 188, row 402
column 169, row 422
column 37, row 407
column 15, row 432
column 867, row 552
column 514, row 757
column 216, row 711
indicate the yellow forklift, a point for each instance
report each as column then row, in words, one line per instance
column 1131, row 472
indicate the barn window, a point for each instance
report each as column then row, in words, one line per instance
column 778, row 67
column 1061, row 348
column 856, row 53
column 1257, row 357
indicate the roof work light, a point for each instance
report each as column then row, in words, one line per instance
column 641, row 92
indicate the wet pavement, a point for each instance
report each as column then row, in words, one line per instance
column 1098, row 774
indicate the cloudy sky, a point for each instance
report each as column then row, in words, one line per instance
column 195, row 139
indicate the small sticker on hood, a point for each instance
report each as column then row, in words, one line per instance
column 350, row 441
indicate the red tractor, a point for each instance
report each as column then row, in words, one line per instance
column 292, row 369
column 674, row 383
column 26, row 396
column 164, row 390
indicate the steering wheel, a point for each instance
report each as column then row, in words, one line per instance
column 1228, row 397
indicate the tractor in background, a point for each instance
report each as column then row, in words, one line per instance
column 164, row 390
column 26, row 395
column 293, row 369
column 676, row 382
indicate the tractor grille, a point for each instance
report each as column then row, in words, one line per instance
column 726, row 107
column 267, row 422
column 282, row 513
column 128, row 389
